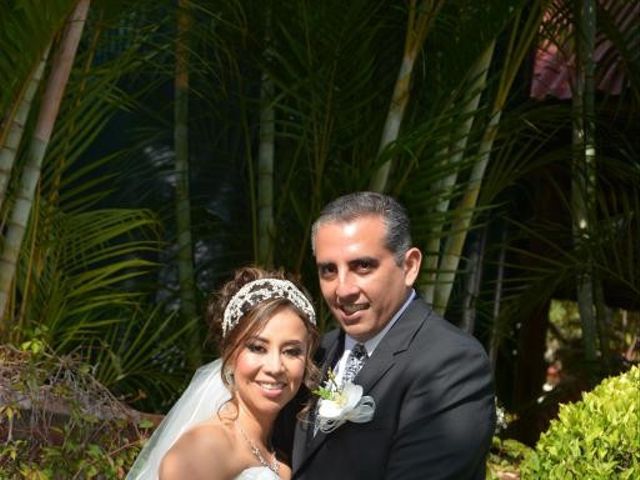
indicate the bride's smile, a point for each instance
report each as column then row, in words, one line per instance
column 222, row 426
column 269, row 368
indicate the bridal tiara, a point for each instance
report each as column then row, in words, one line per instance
column 255, row 292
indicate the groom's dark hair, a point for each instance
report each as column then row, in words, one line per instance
column 361, row 204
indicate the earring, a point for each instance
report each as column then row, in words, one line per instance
column 228, row 376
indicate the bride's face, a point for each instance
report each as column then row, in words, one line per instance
column 270, row 365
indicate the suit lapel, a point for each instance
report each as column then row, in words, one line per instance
column 305, row 442
column 396, row 340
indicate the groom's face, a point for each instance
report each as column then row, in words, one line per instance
column 360, row 279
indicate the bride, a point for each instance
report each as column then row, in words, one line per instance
column 222, row 425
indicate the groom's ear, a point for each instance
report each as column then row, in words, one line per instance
column 411, row 265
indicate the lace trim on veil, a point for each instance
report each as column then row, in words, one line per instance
column 203, row 397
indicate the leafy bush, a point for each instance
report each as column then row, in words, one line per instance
column 58, row 422
column 505, row 458
column 596, row 438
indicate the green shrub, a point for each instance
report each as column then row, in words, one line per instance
column 58, row 423
column 505, row 458
column 596, row 438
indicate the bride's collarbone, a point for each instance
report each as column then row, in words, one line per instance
column 232, row 449
column 215, row 450
column 207, row 447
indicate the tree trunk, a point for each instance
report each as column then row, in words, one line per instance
column 584, row 171
column 419, row 21
column 496, row 330
column 16, row 126
column 50, row 106
column 432, row 251
column 530, row 370
column 266, row 234
column 188, row 309
column 472, row 283
column 519, row 44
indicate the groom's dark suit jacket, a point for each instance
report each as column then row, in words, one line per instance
column 434, row 415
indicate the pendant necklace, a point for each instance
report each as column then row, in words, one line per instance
column 256, row 451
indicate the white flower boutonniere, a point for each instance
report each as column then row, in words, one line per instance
column 339, row 405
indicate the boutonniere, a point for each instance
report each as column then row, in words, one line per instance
column 340, row 404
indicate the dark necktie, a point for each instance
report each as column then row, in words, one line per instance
column 355, row 361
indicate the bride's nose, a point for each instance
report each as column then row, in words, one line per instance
column 273, row 362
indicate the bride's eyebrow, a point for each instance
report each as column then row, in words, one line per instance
column 288, row 343
column 256, row 338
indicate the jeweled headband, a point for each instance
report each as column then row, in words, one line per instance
column 257, row 291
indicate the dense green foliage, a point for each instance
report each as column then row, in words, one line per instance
column 596, row 438
column 89, row 451
column 486, row 172
column 505, row 458
column 57, row 422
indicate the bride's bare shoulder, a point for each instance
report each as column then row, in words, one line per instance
column 205, row 448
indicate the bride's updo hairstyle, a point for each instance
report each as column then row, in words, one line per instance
column 235, row 314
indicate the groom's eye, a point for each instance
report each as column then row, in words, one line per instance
column 364, row 265
column 326, row 270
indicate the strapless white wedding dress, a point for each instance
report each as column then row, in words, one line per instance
column 257, row 473
column 200, row 401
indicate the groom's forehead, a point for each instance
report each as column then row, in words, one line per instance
column 366, row 232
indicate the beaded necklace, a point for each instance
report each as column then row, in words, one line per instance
column 274, row 466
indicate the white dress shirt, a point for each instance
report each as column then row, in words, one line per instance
column 371, row 344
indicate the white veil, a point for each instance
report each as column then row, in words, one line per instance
column 201, row 400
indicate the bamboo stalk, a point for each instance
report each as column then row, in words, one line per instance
column 472, row 283
column 419, row 21
column 462, row 221
column 186, row 275
column 497, row 303
column 19, row 217
column 584, row 171
column 518, row 48
column 15, row 131
column 461, row 137
column 266, row 153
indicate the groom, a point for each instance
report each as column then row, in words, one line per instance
column 432, row 386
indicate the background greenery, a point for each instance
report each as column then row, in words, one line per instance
column 191, row 137
column 596, row 438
